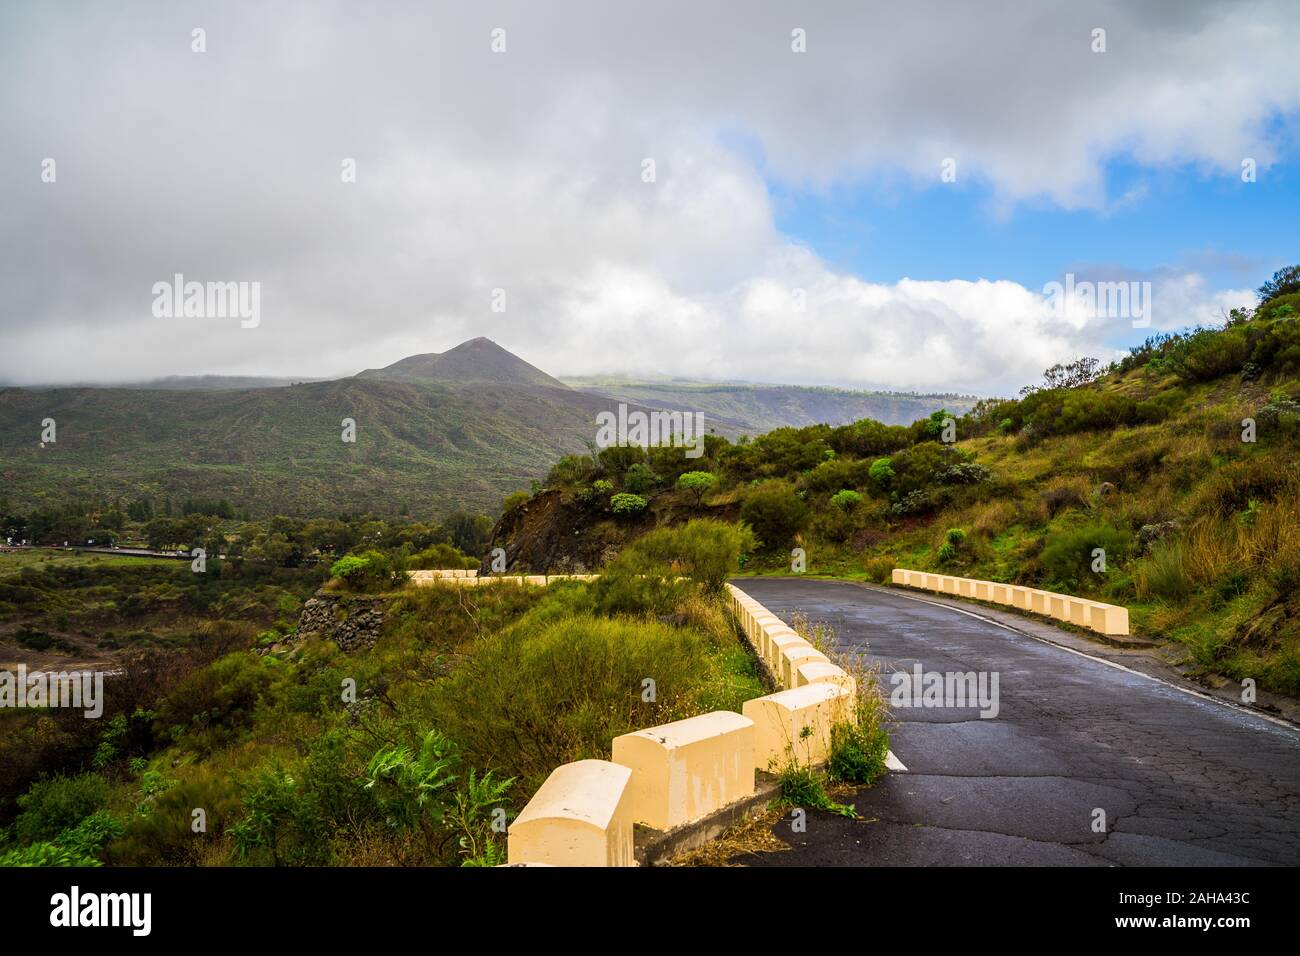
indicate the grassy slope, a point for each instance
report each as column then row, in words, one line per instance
column 279, row 450
column 1201, row 529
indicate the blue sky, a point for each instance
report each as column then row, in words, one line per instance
column 1233, row 233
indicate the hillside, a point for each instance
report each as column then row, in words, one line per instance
column 427, row 447
column 1176, row 467
column 760, row 408
column 430, row 437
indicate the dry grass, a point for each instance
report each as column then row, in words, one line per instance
column 991, row 519
column 750, row 836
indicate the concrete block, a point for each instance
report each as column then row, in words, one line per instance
column 1108, row 618
column 776, row 645
column 824, row 672
column 793, row 656
column 1078, row 611
column 796, row 722
column 581, row 816
column 686, row 770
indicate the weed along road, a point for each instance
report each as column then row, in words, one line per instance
column 1077, row 763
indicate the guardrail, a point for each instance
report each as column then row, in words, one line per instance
column 1109, row 619
column 676, row 775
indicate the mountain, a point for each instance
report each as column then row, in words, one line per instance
column 753, row 409
column 430, row 438
column 421, row 446
column 477, row 361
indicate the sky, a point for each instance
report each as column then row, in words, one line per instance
column 863, row 195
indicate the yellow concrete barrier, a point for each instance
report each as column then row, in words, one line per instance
column 581, row 816
column 1084, row 612
column 795, row 655
column 824, row 672
column 770, row 651
column 776, row 645
column 796, row 723
column 686, row 770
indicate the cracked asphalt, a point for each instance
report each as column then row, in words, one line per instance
column 1183, row 781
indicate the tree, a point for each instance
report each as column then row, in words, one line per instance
column 846, row 500
column 697, row 483
column 1284, row 282
column 774, row 512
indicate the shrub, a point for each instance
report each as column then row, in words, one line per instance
column 370, row 571
column 881, row 472
column 639, row 479
column 1284, row 282
column 775, row 513
column 1068, row 556
column 846, row 500
column 45, row 854
column 706, row 550
column 697, row 483
column 1164, row 574
column 282, row 823
column 858, row 751
column 213, row 705
column 626, row 504
column 162, row 831
column 514, row 500
column 534, row 696
column 55, row 804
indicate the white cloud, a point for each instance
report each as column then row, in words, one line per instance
column 523, row 171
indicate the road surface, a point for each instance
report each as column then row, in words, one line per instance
column 1182, row 781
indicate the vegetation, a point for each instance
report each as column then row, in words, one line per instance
column 1165, row 481
column 414, row 752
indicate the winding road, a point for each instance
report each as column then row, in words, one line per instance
column 1182, row 780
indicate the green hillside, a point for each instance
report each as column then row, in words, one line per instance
column 427, row 447
column 1179, row 463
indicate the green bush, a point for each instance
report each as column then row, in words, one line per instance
column 775, row 513
column 639, row 479
column 881, row 472
column 369, row 571
column 705, row 550
column 282, row 823
column 45, row 854
column 846, row 500
column 626, row 504
column 858, row 752
column 533, row 697
column 162, row 832
column 55, row 804
column 212, row 706
column 516, row 499
column 1068, row 555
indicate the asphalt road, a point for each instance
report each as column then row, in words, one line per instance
column 1183, row 781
